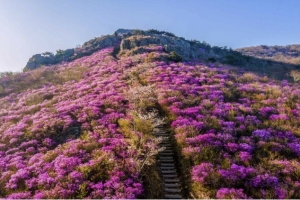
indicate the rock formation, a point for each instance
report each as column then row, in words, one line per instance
column 124, row 40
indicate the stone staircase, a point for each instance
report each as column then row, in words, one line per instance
column 167, row 163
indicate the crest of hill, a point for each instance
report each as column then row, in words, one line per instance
column 131, row 42
column 128, row 42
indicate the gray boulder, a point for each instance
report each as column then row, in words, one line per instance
column 38, row 60
column 180, row 46
column 100, row 42
column 121, row 32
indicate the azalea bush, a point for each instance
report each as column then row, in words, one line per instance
column 63, row 139
column 83, row 129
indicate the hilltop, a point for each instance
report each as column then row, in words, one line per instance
column 87, row 122
column 131, row 42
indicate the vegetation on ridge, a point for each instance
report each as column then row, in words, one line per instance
column 132, row 42
column 286, row 54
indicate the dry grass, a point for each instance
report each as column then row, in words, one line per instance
column 153, row 183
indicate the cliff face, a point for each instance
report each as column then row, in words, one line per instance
column 169, row 44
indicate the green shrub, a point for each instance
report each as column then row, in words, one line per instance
column 212, row 59
column 50, row 156
column 98, row 172
column 150, row 58
column 207, row 154
column 82, row 190
column 175, row 57
column 247, row 77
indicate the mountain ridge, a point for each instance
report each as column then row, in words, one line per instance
column 133, row 41
column 287, row 53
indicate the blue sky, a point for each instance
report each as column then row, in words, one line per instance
column 35, row 26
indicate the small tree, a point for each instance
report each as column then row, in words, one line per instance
column 47, row 54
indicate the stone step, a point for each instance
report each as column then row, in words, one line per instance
column 165, row 139
column 169, row 190
column 165, row 144
column 171, row 180
column 167, row 151
column 162, row 135
column 172, row 185
column 166, row 158
column 166, row 154
column 173, row 196
column 166, row 161
column 168, row 171
column 167, row 165
column 161, row 131
column 169, row 176
column 168, row 168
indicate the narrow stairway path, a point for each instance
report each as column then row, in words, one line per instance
column 167, row 163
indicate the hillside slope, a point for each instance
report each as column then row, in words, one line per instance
column 84, row 128
column 287, row 54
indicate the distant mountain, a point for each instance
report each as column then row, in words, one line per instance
column 287, row 54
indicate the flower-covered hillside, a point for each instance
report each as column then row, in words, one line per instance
column 79, row 129
column 238, row 134
column 64, row 139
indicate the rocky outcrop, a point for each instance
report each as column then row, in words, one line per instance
column 122, row 32
column 38, row 60
column 125, row 40
column 87, row 48
column 181, row 47
column 131, row 42
column 100, row 42
column 94, row 45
